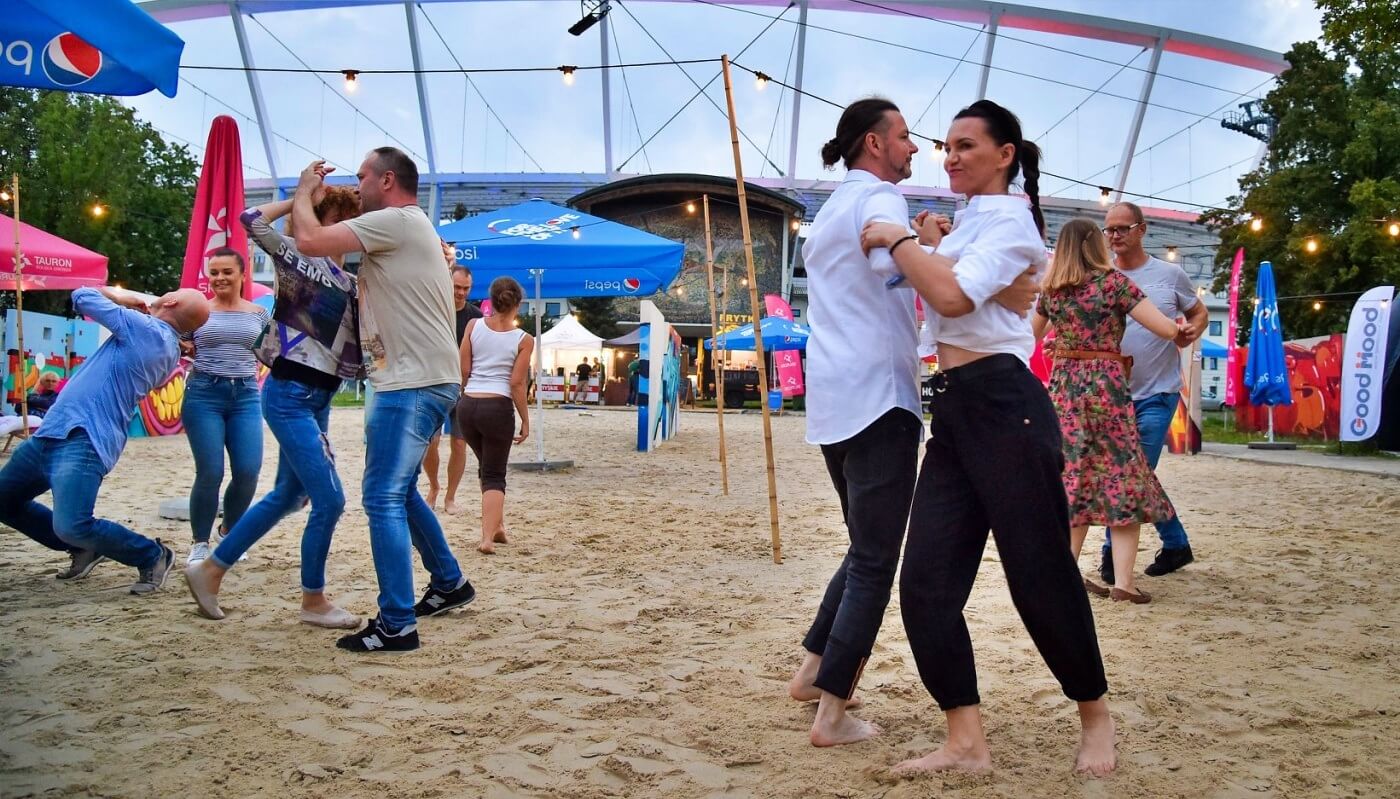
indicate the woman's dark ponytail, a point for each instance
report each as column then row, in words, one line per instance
column 859, row 118
column 1005, row 128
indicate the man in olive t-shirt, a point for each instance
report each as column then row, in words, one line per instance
column 406, row 330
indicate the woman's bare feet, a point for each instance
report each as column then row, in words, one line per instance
column 802, row 685
column 449, row 506
column 1096, row 757
column 431, row 496
column 833, row 726
column 204, row 579
column 486, row 548
column 965, row 749
column 500, row 536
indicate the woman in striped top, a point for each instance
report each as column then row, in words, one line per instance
column 221, row 410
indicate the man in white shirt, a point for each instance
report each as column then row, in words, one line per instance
column 406, row 330
column 863, row 405
column 1156, row 377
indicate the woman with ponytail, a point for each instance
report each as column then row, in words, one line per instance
column 994, row 457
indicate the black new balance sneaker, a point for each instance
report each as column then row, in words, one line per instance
column 1169, row 560
column 435, row 601
column 375, row 637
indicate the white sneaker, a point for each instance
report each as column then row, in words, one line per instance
column 198, row 552
column 214, row 544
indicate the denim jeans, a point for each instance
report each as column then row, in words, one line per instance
column 71, row 469
column 222, row 413
column 398, row 428
column 1154, row 418
column 298, row 416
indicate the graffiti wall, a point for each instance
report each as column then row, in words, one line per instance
column 658, row 390
column 1315, row 374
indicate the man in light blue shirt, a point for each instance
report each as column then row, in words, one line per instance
column 84, row 432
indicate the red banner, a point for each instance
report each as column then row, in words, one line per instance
column 218, row 201
column 789, row 362
column 1232, row 341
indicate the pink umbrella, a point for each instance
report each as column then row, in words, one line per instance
column 49, row 262
column 218, row 201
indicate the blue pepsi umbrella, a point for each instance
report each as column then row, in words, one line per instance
column 1266, row 373
column 91, row 46
column 778, row 334
column 576, row 255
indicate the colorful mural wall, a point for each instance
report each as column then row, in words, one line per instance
column 658, row 391
column 1315, row 374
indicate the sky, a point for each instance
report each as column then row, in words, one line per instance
column 533, row 122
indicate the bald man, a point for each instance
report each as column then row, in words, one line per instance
column 84, row 432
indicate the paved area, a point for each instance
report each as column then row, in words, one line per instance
column 1381, row 465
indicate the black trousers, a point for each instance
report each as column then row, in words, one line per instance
column 994, row 461
column 874, row 473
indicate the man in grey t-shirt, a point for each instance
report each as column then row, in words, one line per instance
column 1156, row 375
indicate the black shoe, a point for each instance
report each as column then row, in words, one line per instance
column 152, row 578
column 84, row 561
column 1106, row 567
column 375, row 637
column 435, row 601
column 1169, row 560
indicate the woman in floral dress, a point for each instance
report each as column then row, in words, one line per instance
column 1107, row 479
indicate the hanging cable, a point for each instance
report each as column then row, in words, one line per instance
column 1091, row 96
column 778, row 112
column 962, row 59
column 627, row 88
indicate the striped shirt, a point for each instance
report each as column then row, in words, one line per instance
column 223, row 347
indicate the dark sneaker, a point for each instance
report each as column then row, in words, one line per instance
column 375, row 637
column 84, row 561
column 152, row 578
column 435, row 601
column 1106, row 567
column 1169, row 560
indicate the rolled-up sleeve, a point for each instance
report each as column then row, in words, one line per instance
column 883, row 203
column 1001, row 252
column 94, row 304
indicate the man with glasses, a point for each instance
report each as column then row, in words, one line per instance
column 1156, row 375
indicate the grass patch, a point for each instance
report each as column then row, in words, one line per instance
column 347, row 399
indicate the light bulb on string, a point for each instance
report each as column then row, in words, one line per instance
column 1103, row 195
column 97, row 210
column 1317, row 305
column 938, row 153
column 1171, row 253
column 4, row 196
column 1310, row 245
column 1393, row 229
column 1256, row 224
column 352, row 82
column 760, row 80
column 690, row 207
column 568, row 74
column 575, row 231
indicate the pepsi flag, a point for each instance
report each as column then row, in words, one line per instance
column 91, row 46
column 580, row 255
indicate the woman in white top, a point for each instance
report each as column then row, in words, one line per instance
column 495, row 367
column 994, row 457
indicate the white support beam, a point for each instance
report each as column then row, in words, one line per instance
column 1129, row 146
column 424, row 113
column 993, row 20
column 797, row 96
column 254, row 88
column 607, row 99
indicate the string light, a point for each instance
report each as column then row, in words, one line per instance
column 1171, row 253
column 568, row 74
column 1310, row 245
column 1256, row 224
column 938, row 153
column 1317, row 305
column 4, row 196
column 744, row 282
column 576, row 232
column 796, row 224
column 351, row 80
column 760, row 80
column 1255, row 300
column 97, row 210
column 690, row 208
column 1393, row 228
column 1103, row 195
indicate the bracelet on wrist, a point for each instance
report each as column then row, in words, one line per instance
column 895, row 246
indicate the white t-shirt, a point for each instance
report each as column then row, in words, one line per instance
column 861, row 359
column 407, row 319
column 994, row 240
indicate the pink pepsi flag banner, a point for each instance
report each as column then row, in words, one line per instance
column 49, row 261
column 1232, row 340
column 218, row 202
column 789, row 362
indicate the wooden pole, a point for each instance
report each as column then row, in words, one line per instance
column 19, row 311
column 716, row 353
column 757, row 315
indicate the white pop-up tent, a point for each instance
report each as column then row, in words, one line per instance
column 567, row 343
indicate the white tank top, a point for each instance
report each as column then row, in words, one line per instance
column 493, row 359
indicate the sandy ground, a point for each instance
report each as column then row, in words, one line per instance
column 635, row 641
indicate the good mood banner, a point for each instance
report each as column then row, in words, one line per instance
column 1363, row 364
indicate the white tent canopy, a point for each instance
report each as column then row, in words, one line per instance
column 567, row 343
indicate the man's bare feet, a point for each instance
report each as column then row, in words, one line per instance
column 964, row 750
column 1096, row 757
column 449, row 506
column 431, row 497
column 833, row 726
column 802, row 688
column 486, row 548
column 500, row 536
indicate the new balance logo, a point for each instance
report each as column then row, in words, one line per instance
column 437, row 600
column 372, row 642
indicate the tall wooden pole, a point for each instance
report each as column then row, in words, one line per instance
column 757, row 315
column 19, row 311
column 715, row 353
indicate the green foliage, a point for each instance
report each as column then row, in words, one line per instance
column 74, row 150
column 598, row 314
column 1332, row 172
column 527, row 323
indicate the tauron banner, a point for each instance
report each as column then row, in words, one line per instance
column 218, row 202
column 1232, row 336
column 1363, row 364
column 789, row 362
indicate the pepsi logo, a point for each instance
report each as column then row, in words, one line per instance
column 70, row 61
column 631, row 284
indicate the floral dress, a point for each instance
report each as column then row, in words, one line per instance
column 1107, row 478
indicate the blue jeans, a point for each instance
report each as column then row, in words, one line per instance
column 71, row 469
column 1154, row 417
column 298, row 416
column 222, row 413
column 397, row 431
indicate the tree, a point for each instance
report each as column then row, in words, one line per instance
column 1331, row 174
column 598, row 314
column 73, row 151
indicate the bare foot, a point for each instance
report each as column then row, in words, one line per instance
column 948, row 757
column 1096, row 757
column 204, row 579
column 847, row 730
column 802, row 689
column 431, row 498
column 486, row 548
column 449, row 506
column 500, row 537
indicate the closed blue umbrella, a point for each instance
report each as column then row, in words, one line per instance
column 778, row 334
column 1266, row 372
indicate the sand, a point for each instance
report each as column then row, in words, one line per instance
column 635, row 640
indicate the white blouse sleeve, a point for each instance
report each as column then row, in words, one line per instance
column 1004, row 248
